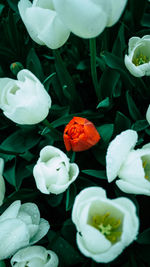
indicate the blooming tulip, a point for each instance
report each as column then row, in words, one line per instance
column 80, row 134
column 24, row 101
column 50, row 22
column 35, row 256
column 2, row 183
column 43, row 23
column 105, row 226
column 130, row 165
column 138, row 59
column 20, row 226
column 53, row 173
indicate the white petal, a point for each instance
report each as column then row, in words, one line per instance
column 127, row 187
column 117, row 7
column 82, row 198
column 148, row 114
column 117, row 152
column 93, row 240
column 13, row 235
column 134, row 70
column 11, row 211
column 42, row 231
column 86, row 20
column 1, row 166
column 32, row 210
column 132, row 43
column 53, row 261
column 2, row 189
column 28, row 253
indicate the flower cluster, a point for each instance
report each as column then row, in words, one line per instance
column 54, row 136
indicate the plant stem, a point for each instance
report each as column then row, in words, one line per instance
column 93, row 63
column 56, row 132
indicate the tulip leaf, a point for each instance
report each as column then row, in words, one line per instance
column 70, row 196
column 54, row 200
column 140, row 125
column 1, row 8
column 144, row 237
column 122, row 123
column 20, row 141
column 96, row 173
column 68, row 232
column 13, row 4
column 106, row 132
column 104, row 103
column 133, row 110
column 10, row 172
column 34, row 65
column 145, row 22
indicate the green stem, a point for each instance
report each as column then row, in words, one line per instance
column 56, row 132
column 93, row 63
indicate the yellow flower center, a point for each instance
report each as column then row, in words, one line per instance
column 141, row 59
column 146, row 170
column 108, row 226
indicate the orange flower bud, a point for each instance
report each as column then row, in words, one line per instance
column 80, row 134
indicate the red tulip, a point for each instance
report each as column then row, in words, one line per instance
column 80, row 134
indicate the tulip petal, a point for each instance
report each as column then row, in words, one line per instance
column 12, row 211
column 117, row 152
column 148, row 114
column 32, row 210
column 2, row 189
column 86, row 20
column 117, row 8
column 127, row 187
column 28, row 253
column 132, row 43
column 42, row 231
column 13, row 235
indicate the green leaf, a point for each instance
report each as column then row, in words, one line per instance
column 144, row 237
column 96, row 173
column 116, row 63
column 106, row 132
column 1, row 8
column 108, row 83
column 137, row 12
column 10, row 172
column 13, row 4
column 133, row 110
column 122, row 123
column 34, row 65
column 120, row 43
column 145, row 22
column 70, row 196
column 104, row 103
column 54, row 200
column 140, row 125
column 20, row 141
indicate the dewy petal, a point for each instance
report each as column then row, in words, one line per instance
column 13, row 235
column 42, row 231
column 148, row 114
column 117, row 152
column 117, row 7
column 53, row 261
column 32, row 210
column 40, row 179
column 86, row 20
column 12, row 211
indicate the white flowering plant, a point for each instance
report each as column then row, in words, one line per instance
column 74, row 133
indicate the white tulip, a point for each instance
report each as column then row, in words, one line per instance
column 130, row 165
column 20, row 226
column 24, row 101
column 105, row 226
column 35, row 256
column 50, row 22
column 88, row 18
column 138, row 59
column 148, row 114
column 43, row 23
column 2, row 183
column 53, row 172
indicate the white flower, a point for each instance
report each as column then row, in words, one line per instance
column 20, row 226
column 43, row 23
column 105, row 226
column 131, row 166
column 138, row 59
column 50, row 22
column 148, row 114
column 88, row 18
column 24, row 101
column 35, row 256
column 2, row 183
column 53, row 173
